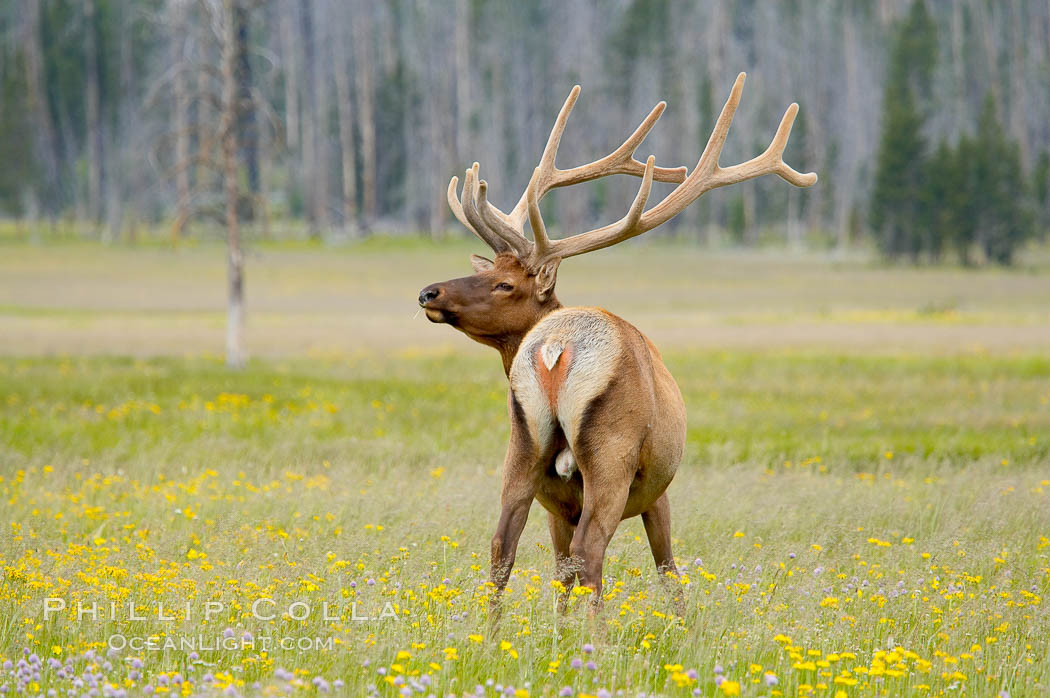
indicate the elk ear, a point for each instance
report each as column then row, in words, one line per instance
column 480, row 263
column 546, row 277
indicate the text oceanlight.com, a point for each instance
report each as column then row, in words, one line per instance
column 205, row 643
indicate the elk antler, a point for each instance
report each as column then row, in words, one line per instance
column 504, row 231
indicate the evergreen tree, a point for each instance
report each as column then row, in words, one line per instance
column 19, row 172
column 1041, row 185
column 947, row 202
column 1001, row 214
column 897, row 211
column 896, row 204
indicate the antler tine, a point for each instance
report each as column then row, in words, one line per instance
column 498, row 225
column 539, row 230
column 457, row 206
column 550, row 151
column 706, row 176
column 772, row 160
column 709, row 159
column 623, row 229
column 482, row 218
column 468, row 206
column 620, row 161
column 546, row 166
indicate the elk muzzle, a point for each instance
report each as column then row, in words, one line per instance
column 430, row 301
column 428, row 294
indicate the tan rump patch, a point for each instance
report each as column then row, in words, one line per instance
column 563, row 364
column 552, row 367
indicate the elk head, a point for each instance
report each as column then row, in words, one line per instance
column 503, row 299
column 507, row 296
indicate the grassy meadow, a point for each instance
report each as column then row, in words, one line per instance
column 863, row 508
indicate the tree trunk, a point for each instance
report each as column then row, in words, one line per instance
column 46, row 139
column 844, row 201
column 247, row 127
column 291, row 77
column 205, row 121
column 320, row 108
column 462, row 75
column 181, row 119
column 346, row 128
column 311, row 119
column 121, row 172
column 1019, row 85
column 228, row 130
column 717, row 33
column 92, row 115
column 362, row 38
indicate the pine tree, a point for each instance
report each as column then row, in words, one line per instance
column 1001, row 214
column 896, row 204
column 897, row 210
column 1041, row 185
column 947, row 203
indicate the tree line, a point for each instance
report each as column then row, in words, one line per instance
column 929, row 123
column 968, row 195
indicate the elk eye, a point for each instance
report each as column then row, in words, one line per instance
column 504, row 286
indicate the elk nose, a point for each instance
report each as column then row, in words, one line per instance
column 428, row 294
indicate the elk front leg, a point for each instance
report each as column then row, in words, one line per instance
column 514, row 514
column 519, row 489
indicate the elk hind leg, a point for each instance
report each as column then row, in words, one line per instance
column 604, row 499
column 657, row 522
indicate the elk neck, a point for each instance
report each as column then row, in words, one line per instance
column 507, row 344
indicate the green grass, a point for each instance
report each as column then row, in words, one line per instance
column 862, row 505
column 921, row 481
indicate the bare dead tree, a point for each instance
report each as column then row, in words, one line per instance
column 46, row 138
column 345, row 109
column 220, row 148
column 247, row 122
column 462, row 74
column 291, row 76
column 181, row 117
column 228, row 131
column 92, row 113
column 206, row 37
column 362, row 38
column 121, row 184
column 316, row 64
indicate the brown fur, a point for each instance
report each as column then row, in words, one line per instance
column 608, row 397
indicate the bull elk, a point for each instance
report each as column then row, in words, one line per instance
column 597, row 421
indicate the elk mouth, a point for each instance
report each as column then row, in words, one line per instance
column 440, row 316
